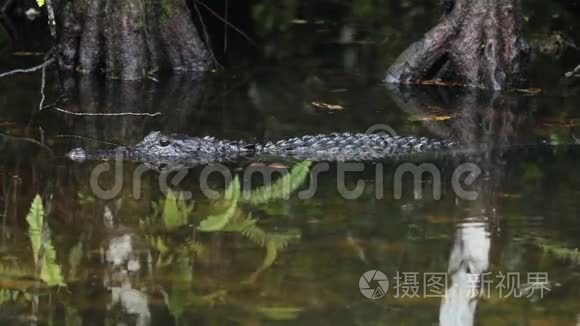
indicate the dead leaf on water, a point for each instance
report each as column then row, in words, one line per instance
column 510, row 196
column 273, row 166
column 299, row 21
column 258, row 165
column 326, row 106
column 529, row 91
column 561, row 123
column 433, row 219
column 278, row 166
column 429, row 117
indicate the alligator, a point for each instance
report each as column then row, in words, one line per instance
column 177, row 149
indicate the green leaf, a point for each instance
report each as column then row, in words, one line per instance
column 182, row 278
column 35, row 219
column 218, row 222
column 282, row 188
column 274, row 243
column 42, row 249
column 75, row 257
column 161, row 246
column 175, row 212
column 40, row 3
column 50, row 272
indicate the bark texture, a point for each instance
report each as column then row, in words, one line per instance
column 478, row 43
column 129, row 39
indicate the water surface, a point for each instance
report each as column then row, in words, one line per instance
column 148, row 256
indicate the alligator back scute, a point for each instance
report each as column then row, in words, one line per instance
column 348, row 146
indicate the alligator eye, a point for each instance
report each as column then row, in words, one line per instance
column 164, row 143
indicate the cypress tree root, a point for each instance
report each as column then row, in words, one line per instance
column 478, row 43
column 130, row 39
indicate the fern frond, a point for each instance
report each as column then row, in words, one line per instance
column 35, row 220
column 281, row 189
column 42, row 248
column 176, row 211
column 218, row 222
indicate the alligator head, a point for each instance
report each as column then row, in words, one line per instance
column 159, row 147
column 157, row 144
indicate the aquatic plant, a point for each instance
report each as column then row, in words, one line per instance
column 42, row 248
column 219, row 221
column 225, row 215
column 281, row 188
column 175, row 211
column 560, row 251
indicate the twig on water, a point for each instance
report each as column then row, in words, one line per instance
column 573, row 73
column 42, row 85
column 56, row 103
column 205, row 34
column 6, row 6
column 232, row 26
column 88, row 138
column 28, row 140
column 27, row 70
column 152, row 78
column 107, row 114
column 226, row 26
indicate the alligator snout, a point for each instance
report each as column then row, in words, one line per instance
column 81, row 155
column 77, row 154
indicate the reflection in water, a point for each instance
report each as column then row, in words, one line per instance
column 179, row 99
column 475, row 116
column 161, row 259
column 133, row 302
column 123, row 265
column 469, row 259
column 478, row 118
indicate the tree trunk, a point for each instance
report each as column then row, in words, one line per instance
column 129, row 39
column 478, row 43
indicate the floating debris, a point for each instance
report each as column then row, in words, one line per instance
column 430, row 117
column 326, row 106
column 436, row 82
column 573, row 73
column 529, row 91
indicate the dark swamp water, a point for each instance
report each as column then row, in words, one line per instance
column 500, row 249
